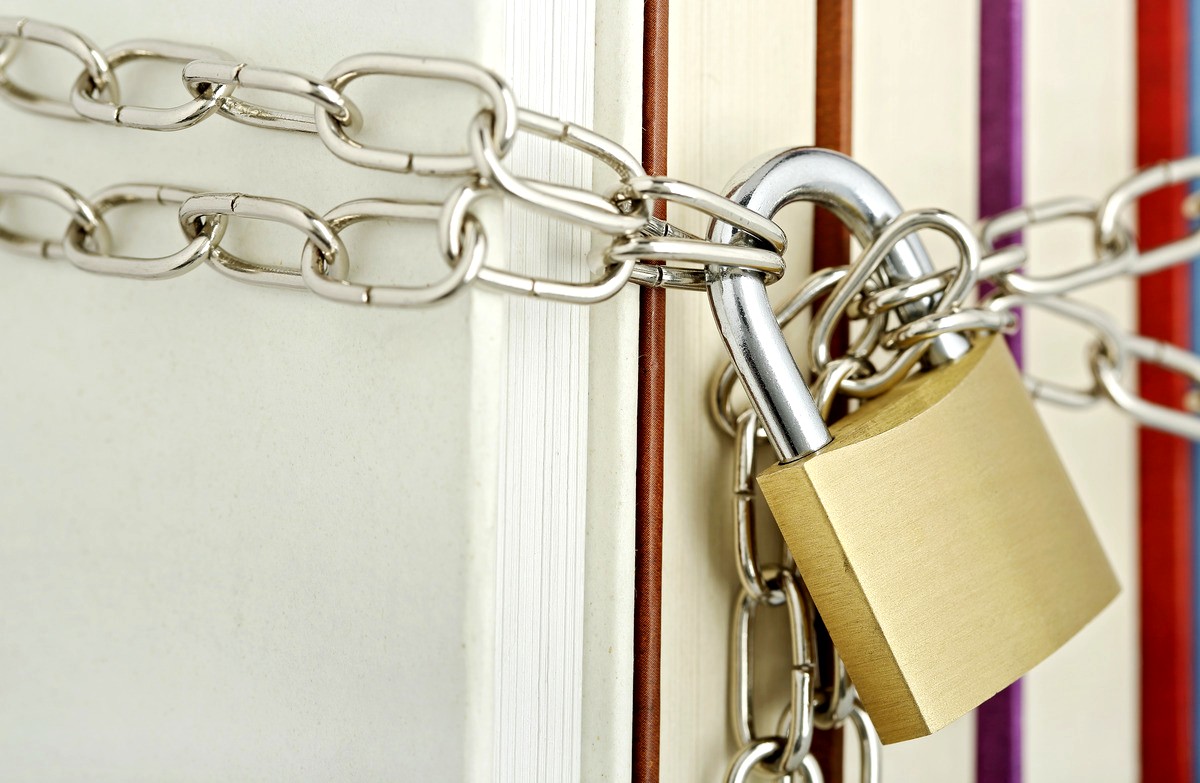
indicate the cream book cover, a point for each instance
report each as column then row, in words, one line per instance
column 251, row 534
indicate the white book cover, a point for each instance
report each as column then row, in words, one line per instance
column 250, row 534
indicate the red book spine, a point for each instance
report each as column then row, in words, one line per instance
column 1165, row 461
column 831, row 240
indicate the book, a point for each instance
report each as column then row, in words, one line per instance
column 252, row 534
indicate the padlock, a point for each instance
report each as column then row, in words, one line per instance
column 935, row 526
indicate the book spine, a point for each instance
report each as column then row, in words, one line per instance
column 830, row 239
column 1165, row 469
column 652, row 359
column 1194, row 149
column 998, row 721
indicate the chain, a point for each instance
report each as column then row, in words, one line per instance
column 640, row 249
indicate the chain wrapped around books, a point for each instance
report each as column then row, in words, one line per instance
column 638, row 248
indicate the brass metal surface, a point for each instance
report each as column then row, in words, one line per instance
column 942, row 542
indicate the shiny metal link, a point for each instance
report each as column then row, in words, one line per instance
column 95, row 66
column 77, row 239
column 870, row 748
column 89, row 101
column 756, row 227
column 795, row 745
column 83, row 214
column 501, row 112
column 994, row 265
column 1090, row 318
column 198, row 210
column 1118, row 256
column 1111, row 368
column 641, row 249
column 749, row 761
column 459, row 210
column 957, row 322
column 315, row 270
column 749, row 758
column 868, row 263
column 202, row 76
column 764, row 255
column 581, row 207
column 745, row 546
column 830, row 381
column 1111, row 232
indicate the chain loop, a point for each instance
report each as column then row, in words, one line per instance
column 757, row 230
column 89, row 101
column 928, row 327
column 323, row 281
column 1118, row 256
column 202, row 208
column 1110, row 232
column 1090, row 318
column 501, row 112
column 870, row 748
column 203, row 75
column 102, row 262
column 1111, row 367
column 581, row 207
column 460, row 209
column 795, row 745
column 745, row 546
column 835, row 307
column 83, row 214
column 641, row 249
column 95, row 65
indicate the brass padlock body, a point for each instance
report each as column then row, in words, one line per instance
column 968, row 558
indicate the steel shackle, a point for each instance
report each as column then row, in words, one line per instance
column 747, row 323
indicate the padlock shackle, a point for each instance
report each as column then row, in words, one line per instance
column 739, row 298
column 765, row 363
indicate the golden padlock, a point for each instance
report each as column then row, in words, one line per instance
column 937, row 531
column 971, row 546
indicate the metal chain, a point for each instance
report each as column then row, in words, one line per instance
column 640, row 249
column 1111, row 355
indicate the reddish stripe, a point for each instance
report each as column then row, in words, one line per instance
column 1165, row 461
column 831, row 240
column 647, row 633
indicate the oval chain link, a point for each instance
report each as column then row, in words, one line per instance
column 89, row 101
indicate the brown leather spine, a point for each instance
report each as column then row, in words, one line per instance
column 647, row 631
column 831, row 241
